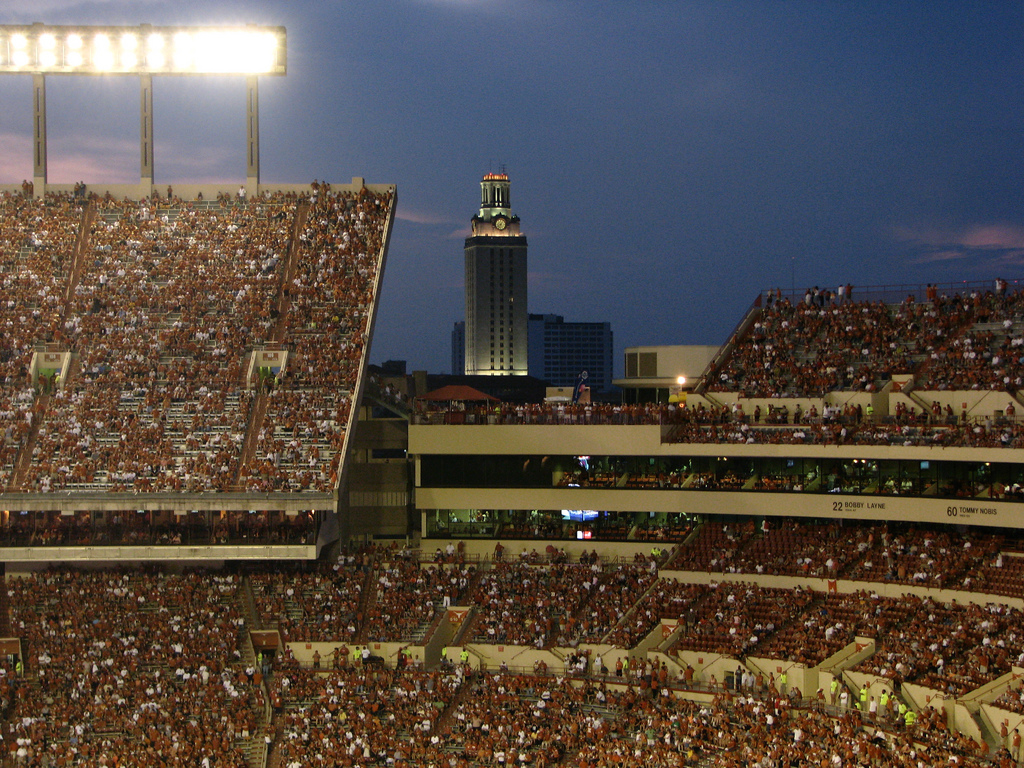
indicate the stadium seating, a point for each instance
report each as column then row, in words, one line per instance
column 121, row 654
column 161, row 302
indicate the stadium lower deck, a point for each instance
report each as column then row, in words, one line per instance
column 728, row 644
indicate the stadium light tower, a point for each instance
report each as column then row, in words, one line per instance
column 145, row 50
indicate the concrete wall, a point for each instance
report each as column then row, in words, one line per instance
column 303, row 652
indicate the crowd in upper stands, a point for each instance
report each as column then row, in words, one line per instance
column 161, row 300
column 37, row 245
column 830, row 342
column 919, row 555
column 329, row 294
column 779, row 427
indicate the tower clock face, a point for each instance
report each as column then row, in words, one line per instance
column 500, row 223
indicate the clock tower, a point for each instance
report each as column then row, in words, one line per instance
column 496, row 315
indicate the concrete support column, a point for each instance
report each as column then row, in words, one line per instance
column 39, row 134
column 146, row 134
column 252, row 136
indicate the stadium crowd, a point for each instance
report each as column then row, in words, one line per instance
column 117, row 657
column 160, row 299
column 111, row 658
column 329, row 293
column 819, row 345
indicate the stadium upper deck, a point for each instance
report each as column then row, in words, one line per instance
column 824, row 343
column 904, row 410
column 156, row 353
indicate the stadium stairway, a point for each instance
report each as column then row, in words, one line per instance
column 78, row 258
column 721, row 360
column 427, row 629
column 24, row 461
column 628, row 615
column 254, row 750
column 367, row 600
column 908, row 390
column 471, row 587
column 448, row 715
column 288, row 273
column 247, row 602
column 467, row 628
column 259, row 406
column 252, row 433
column 5, row 609
column 991, row 737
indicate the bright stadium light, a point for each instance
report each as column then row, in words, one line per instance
column 48, row 50
column 102, row 55
column 142, row 50
column 19, row 51
column 155, row 52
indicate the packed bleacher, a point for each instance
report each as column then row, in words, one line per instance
column 37, row 245
column 825, row 343
column 160, row 301
column 112, row 659
column 816, row 359
column 311, row 604
column 330, row 293
column 723, row 425
column 408, row 598
column 951, row 648
column 118, row 657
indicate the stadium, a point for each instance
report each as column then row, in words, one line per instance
column 808, row 556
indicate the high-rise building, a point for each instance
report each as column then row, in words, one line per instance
column 560, row 351
column 496, row 334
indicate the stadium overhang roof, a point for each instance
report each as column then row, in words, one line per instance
column 142, row 50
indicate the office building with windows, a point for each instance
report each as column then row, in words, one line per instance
column 560, row 351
